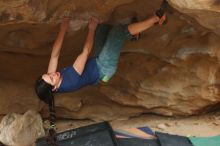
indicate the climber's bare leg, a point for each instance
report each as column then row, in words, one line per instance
column 138, row 27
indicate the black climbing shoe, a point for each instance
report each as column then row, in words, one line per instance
column 163, row 9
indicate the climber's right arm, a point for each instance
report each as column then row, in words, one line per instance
column 57, row 46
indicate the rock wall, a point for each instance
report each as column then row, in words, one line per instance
column 206, row 12
column 172, row 70
column 21, row 130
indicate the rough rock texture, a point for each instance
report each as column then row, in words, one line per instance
column 206, row 12
column 21, row 130
column 171, row 70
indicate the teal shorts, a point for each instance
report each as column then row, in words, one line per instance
column 108, row 43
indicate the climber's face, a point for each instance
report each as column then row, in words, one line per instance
column 52, row 79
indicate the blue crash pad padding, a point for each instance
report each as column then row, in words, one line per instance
column 205, row 141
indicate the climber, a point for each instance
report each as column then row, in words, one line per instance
column 89, row 71
column 107, row 41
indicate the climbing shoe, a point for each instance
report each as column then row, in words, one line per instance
column 163, row 9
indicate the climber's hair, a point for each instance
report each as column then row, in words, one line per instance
column 43, row 90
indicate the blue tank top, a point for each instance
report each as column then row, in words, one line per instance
column 72, row 81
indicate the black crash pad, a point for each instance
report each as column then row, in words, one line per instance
column 172, row 140
column 137, row 142
column 100, row 134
